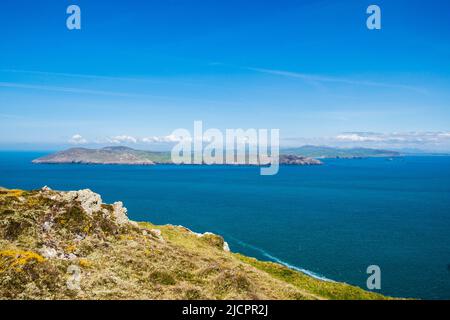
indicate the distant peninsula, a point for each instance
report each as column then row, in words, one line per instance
column 127, row 156
column 322, row 152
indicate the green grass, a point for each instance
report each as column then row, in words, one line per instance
column 324, row 289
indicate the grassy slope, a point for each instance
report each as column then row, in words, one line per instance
column 132, row 261
column 307, row 286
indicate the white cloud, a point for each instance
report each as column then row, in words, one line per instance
column 395, row 137
column 122, row 139
column 173, row 139
column 445, row 134
column 77, row 139
column 356, row 137
column 167, row 139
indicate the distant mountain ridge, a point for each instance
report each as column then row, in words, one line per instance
column 128, row 156
column 332, row 152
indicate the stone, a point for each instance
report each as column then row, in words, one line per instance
column 90, row 201
column 157, row 233
column 47, row 226
column 48, row 252
column 120, row 213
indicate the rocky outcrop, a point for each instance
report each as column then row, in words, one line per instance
column 120, row 213
column 157, row 233
column 291, row 159
column 90, row 202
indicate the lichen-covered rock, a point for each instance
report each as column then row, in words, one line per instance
column 48, row 253
column 157, row 234
column 120, row 213
column 90, row 202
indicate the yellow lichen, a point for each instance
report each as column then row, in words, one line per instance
column 15, row 193
column 70, row 248
column 85, row 263
column 87, row 228
column 126, row 237
column 17, row 259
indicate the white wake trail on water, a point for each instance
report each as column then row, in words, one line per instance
column 275, row 259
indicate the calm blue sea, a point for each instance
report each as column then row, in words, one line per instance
column 333, row 220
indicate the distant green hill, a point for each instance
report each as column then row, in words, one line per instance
column 129, row 156
column 108, row 155
column 331, row 152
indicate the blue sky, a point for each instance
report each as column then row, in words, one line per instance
column 142, row 69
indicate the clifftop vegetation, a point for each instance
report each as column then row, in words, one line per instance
column 70, row 245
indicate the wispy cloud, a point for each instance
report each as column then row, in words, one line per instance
column 73, row 90
column 72, row 75
column 10, row 116
column 143, row 79
column 65, row 89
column 318, row 79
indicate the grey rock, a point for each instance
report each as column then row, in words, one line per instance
column 157, row 233
column 48, row 252
column 290, row 159
column 90, row 201
column 120, row 213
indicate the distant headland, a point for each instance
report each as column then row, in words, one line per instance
column 120, row 155
column 322, row 152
